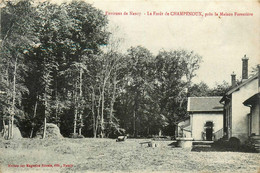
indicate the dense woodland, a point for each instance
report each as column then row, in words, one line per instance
column 59, row 64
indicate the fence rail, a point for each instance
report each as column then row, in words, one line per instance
column 219, row 134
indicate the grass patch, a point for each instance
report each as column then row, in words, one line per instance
column 107, row 155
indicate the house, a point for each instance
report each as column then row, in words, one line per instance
column 238, row 122
column 254, row 115
column 206, row 118
column 253, row 103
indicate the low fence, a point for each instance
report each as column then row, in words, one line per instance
column 218, row 134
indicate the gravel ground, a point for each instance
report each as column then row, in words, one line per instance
column 106, row 155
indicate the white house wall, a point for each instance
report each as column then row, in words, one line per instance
column 255, row 119
column 239, row 111
column 199, row 120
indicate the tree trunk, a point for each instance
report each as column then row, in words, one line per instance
column 75, row 121
column 134, row 124
column 31, row 134
column 34, row 115
column 93, row 114
column 45, row 114
column 12, row 127
column 112, row 100
column 8, row 101
column 103, row 106
column 44, row 128
column 75, row 111
column 102, row 112
column 9, row 129
column 57, row 104
column 98, row 111
column 3, row 128
column 13, row 100
column 80, row 100
column 160, row 132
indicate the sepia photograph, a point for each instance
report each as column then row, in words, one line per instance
column 130, row 86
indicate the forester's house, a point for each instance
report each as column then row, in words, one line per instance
column 238, row 121
column 206, row 118
column 254, row 116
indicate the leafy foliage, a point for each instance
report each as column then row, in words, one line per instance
column 54, row 68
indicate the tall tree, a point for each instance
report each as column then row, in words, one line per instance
column 198, row 90
column 16, row 37
column 69, row 34
column 174, row 72
column 219, row 89
column 136, row 88
column 88, row 32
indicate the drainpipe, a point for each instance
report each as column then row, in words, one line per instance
column 258, row 67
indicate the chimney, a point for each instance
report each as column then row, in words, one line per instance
column 233, row 79
column 244, row 68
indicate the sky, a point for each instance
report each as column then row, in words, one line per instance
column 222, row 41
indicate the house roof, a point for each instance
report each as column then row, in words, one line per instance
column 238, row 87
column 252, row 99
column 204, row 104
column 242, row 84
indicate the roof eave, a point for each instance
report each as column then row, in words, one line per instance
column 251, row 99
column 216, row 111
column 222, row 99
column 242, row 84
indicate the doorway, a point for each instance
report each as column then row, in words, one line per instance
column 209, row 130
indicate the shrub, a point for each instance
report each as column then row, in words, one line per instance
column 234, row 143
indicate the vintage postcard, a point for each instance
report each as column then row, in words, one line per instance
column 129, row 86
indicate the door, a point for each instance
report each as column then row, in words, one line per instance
column 209, row 130
column 209, row 134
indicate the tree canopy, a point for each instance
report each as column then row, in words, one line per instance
column 54, row 69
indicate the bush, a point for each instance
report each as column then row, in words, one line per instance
column 234, row 143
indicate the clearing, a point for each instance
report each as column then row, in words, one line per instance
column 107, row 155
